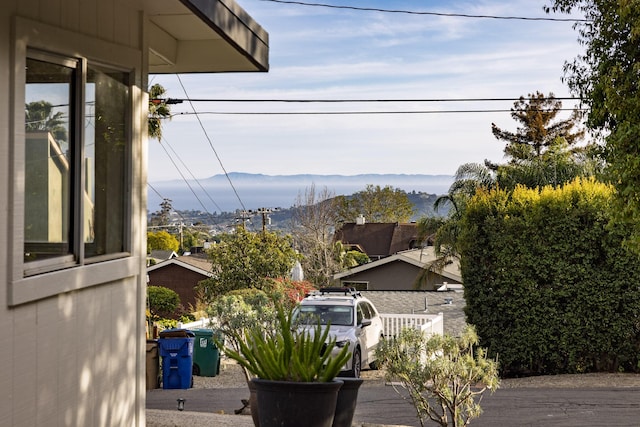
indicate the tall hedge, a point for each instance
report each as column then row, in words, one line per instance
column 548, row 284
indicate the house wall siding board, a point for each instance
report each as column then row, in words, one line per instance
column 71, row 17
column 47, row 346
column 22, row 399
column 389, row 277
column 26, row 7
column 50, row 12
column 89, row 18
column 7, row 344
column 67, row 355
column 73, row 358
column 73, row 351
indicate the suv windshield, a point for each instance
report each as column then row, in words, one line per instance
column 334, row 314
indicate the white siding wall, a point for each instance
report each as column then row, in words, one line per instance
column 77, row 358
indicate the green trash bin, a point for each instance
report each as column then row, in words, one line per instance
column 206, row 356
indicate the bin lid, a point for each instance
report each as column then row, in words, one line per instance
column 176, row 333
column 203, row 332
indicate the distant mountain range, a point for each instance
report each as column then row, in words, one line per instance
column 278, row 191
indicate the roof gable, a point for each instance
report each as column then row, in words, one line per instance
column 421, row 258
column 379, row 240
column 195, row 264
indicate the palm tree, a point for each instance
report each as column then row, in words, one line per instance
column 443, row 233
column 39, row 116
column 158, row 110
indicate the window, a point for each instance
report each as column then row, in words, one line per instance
column 358, row 286
column 365, row 310
column 77, row 133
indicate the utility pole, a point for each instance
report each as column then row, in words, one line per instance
column 265, row 216
column 242, row 217
column 245, row 215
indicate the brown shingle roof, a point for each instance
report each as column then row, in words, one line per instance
column 379, row 240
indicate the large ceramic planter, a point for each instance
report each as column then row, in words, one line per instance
column 346, row 404
column 296, row 404
column 253, row 404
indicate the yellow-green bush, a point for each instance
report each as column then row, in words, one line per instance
column 548, row 283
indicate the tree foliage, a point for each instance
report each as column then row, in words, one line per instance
column 539, row 131
column 313, row 222
column 377, row 204
column 237, row 311
column 605, row 77
column 161, row 241
column 163, row 302
column 444, row 376
column 158, row 110
column 244, row 259
column 543, row 150
column 40, row 116
column 163, row 216
column 548, row 283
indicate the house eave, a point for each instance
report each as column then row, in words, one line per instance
column 204, row 36
column 179, row 263
column 400, row 257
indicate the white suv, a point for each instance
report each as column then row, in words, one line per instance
column 353, row 320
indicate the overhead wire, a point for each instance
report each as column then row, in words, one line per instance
column 184, row 165
column 235, row 191
column 367, row 100
column 345, row 101
column 413, row 12
column 356, row 8
column 163, row 198
column 185, row 180
column 346, row 113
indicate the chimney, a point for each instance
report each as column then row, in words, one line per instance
column 360, row 220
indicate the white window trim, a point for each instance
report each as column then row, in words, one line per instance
column 36, row 35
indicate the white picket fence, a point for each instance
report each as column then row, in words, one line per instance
column 392, row 324
column 429, row 324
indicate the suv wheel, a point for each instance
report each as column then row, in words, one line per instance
column 356, row 364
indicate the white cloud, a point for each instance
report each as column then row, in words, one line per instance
column 319, row 53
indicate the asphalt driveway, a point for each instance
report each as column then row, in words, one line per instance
column 564, row 407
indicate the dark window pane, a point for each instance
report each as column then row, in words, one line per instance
column 106, row 150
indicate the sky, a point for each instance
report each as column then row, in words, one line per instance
column 342, row 54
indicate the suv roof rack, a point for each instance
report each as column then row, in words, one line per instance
column 340, row 290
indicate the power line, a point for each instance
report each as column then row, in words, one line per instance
column 192, row 175
column 163, row 198
column 346, row 113
column 330, row 101
column 185, row 180
column 412, row 12
column 195, row 112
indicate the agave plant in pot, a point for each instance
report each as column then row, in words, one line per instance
column 295, row 373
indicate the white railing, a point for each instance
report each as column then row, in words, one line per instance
column 202, row 323
column 429, row 324
column 392, row 324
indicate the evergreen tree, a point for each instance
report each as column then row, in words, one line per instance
column 605, row 77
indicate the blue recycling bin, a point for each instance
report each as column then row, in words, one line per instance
column 176, row 350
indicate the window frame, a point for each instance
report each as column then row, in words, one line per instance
column 42, row 279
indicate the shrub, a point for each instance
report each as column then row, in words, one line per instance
column 163, row 302
column 548, row 282
column 445, row 376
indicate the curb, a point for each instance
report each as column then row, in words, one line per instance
column 164, row 418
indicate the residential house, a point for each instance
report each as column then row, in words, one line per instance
column 378, row 240
column 181, row 275
column 408, row 270
column 73, row 137
column 158, row 255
